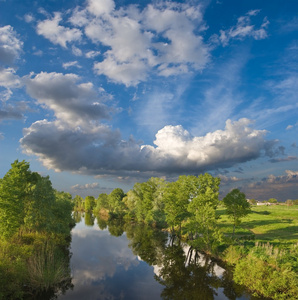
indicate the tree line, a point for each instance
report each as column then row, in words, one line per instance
column 186, row 207
column 35, row 225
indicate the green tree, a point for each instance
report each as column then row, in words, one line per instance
column 62, row 210
column 38, row 211
column 146, row 200
column 252, row 201
column 237, row 206
column 116, row 205
column 102, row 202
column 14, row 192
column 78, row 203
column 202, row 224
column 272, row 200
column 176, row 197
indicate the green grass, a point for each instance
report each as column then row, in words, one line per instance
column 276, row 224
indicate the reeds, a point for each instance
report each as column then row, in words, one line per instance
column 47, row 268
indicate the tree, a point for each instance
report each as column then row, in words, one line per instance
column 78, row 203
column 272, row 200
column 38, row 210
column 289, row 202
column 116, row 205
column 252, row 201
column 202, row 224
column 14, row 192
column 102, row 201
column 145, row 199
column 237, row 206
column 176, row 197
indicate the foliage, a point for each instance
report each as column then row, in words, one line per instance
column 89, row 203
column 32, row 215
column 145, row 201
column 47, row 267
column 202, row 224
column 14, row 191
column 78, row 203
column 116, row 205
column 237, row 206
column 272, row 200
column 262, row 271
column 101, row 203
column 177, row 196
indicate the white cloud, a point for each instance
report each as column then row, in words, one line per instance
column 29, row 18
column 71, row 64
column 281, row 187
column 74, row 103
column 102, row 151
column 87, row 186
column 76, row 51
column 56, row 33
column 92, row 54
column 244, row 28
column 10, row 45
column 8, row 79
column 159, row 38
column 100, row 7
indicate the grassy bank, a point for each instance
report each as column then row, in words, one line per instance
column 264, row 253
column 277, row 224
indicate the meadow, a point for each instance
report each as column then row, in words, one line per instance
column 276, row 224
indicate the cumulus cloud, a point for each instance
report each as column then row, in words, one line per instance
column 102, row 151
column 281, row 187
column 10, row 113
column 57, row 34
column 92, row 54
column 244, row 28
column 160, row 38
column 71, row 64
column 74, row 103
column 87, row 186
column 10, row 45
column 13, row 111
column 289, row 158
column 29, row 18
column 9, row 79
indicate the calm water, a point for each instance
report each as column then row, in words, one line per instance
column 121, row 261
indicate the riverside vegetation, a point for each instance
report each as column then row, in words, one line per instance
column 260, row 243
column 35, row 225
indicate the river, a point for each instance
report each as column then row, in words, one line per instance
column 135, row 262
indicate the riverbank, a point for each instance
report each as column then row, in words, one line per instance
column 264, row 253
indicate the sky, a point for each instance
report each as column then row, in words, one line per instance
column 100, row 94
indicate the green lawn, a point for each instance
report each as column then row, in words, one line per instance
column 276, row 224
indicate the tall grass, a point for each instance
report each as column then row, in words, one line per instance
column 266, row 270
column 47, row 268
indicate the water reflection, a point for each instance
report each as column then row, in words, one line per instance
column 118, row 260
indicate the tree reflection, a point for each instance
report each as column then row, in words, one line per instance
column 184, row 272
column 146, row 242
column 77, row 215
column 116, row 227
column 89, row 219
column 102, row 224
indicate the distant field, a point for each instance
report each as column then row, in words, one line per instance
column 276, row 224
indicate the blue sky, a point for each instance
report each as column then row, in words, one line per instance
column 101, row 94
